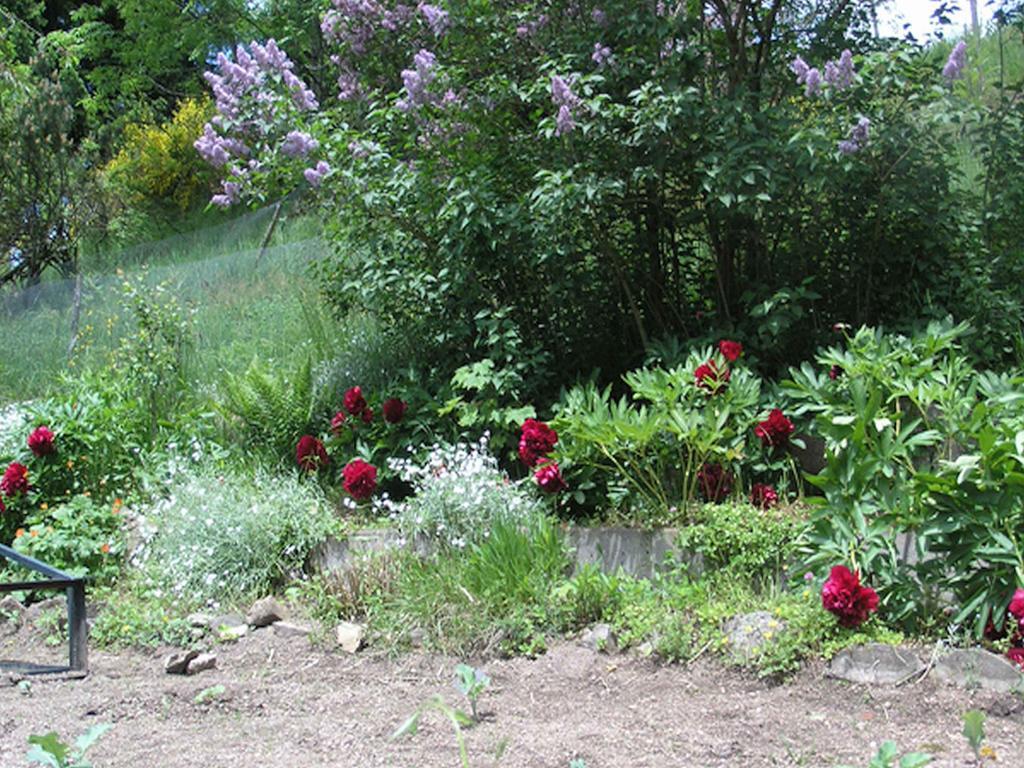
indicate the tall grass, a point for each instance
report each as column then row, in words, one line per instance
column 244, row 303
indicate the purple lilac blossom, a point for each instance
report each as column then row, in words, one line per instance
column 799, row 68
column 417, row 81
column 602, row 54
column 956, row 63
column 437, row 18
column 564, row 122
column 599, row 17
column 530, row 28
column 316, row 175
column 858, row 138
column 812, row 82
column 839, row 74
column 567, row 102
column 298, row 144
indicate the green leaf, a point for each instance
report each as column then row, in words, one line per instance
column 408, row 728
column 90, row 737
column 974, row 729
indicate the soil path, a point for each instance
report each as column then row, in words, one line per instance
column 287, row 704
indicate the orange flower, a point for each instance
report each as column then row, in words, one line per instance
column 105, row 549
column 117, row 506
column 19, row 533
column 33, row 533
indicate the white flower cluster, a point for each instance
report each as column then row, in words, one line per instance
column 13, row 423
column 226, row 535
column 460, row 494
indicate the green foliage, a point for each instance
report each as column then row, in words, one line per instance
column 888, row 755
column 222, row 535
column 974, row 731
column 50, row 751
column 471, row 683
column 272, row 410
column 139, row 612
column 496, row 595
column 457, row 718
column 81, row 537
column 643, row 457
column 743, row 539
column 917, row 443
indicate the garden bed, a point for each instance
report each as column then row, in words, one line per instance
column 285, row 703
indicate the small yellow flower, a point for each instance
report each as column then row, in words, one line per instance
column 71, row 463
column 988, row 752
column 44, row 506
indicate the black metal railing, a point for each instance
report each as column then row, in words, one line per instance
column 74, row 588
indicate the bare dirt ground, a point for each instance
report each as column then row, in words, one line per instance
column 286, row 703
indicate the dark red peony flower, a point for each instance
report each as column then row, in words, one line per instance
column 731, row 350
column 359, row 479
column 843, row 595
column 1016, row 656
column 715, row 482
column 338, row 422
column 354, row 401
column 711, row 379
column 549, row 478
column 1017, row 605
column 835, row 372
column 536, row 441
column 763, row 495
column 394, row 410
column 366, row 415
column 775, row 430
column 40, row 442
column 15, row 480
column 310, row 454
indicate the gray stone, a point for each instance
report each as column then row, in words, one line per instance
column 417, row 637
column 747, row 633
column 288, row 629
column 875, row 664
column 264, row 612
column 337, row 555
column 177, row 663
column 201, row 663
column 599, row 637
column 350, row 636
column 11, row 610
column 638, row 553
column 978, row 668
column 199, row 620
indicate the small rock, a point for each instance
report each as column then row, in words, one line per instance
column 645, row 649
column 417, row 637
column 11, row 610
column 264, row 612
column 748, row 632
column 287, row 629
column 599, row 637
column 177, row 663
column 875, row 664
column 231, row 634
column 201, row 663
column 1003, row 705
column 978, row 668
column 201, row 620
column 350, row 636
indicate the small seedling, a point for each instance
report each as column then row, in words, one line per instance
column 209, row 694
column 578, row 762
column 471, row 683
column 25, row 688
column 888, row 753
column 50, row 751
column 974, row 732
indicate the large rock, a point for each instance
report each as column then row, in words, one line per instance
column 201, row 663
column 747, row 633
column 875, row 664
column 599, row 637
column 350, row 636
column 978, row 668
column 264, row 612
column 177, row 663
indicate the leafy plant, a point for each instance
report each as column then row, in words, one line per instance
column 888, row 754
column 471, row 683
column 456, row 717
column 974, row 731
column 50, row 751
